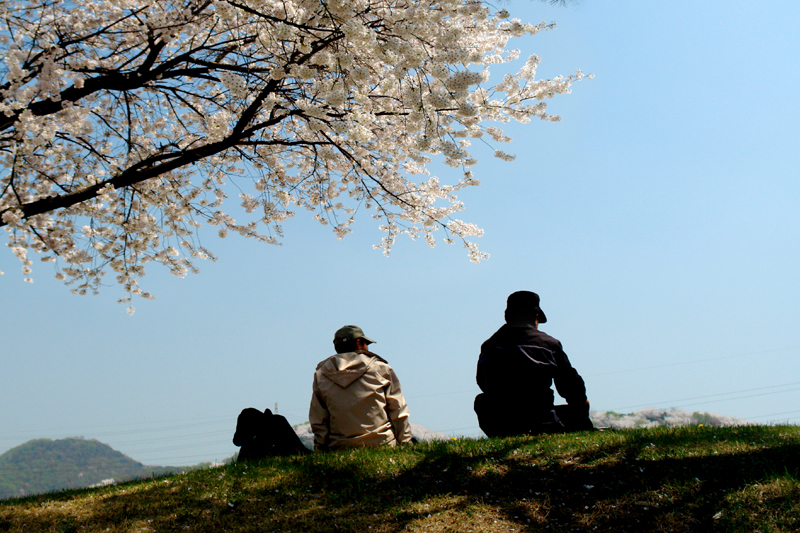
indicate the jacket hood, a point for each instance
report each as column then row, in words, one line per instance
column 345, row 368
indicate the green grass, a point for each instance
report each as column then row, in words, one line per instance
column 665, row 479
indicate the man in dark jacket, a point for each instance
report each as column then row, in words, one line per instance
column 516, row 368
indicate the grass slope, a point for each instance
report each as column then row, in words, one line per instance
column 663, row 479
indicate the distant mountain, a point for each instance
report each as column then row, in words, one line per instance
column 44, row 465
column 652, row 417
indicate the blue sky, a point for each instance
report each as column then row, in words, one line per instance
column 658, row 221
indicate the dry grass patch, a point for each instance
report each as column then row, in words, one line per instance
column 479, row 519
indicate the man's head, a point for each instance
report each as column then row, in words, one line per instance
column 350, row 339
column 523, row 307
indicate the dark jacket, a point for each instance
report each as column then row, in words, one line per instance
column 516, row 369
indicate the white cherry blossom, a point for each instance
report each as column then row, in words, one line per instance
column 125, row 125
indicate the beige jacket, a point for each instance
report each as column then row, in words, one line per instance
column 356, row 402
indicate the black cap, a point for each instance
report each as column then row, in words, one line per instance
column 524, row 303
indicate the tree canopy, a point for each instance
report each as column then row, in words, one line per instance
column 125, row 124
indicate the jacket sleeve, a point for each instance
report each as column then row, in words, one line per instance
column 568, row 382
column 485, row 371
column 397, row 409
column 319, row 418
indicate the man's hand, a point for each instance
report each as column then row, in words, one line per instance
column 581, row 409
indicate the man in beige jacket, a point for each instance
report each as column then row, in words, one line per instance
column 357, row 399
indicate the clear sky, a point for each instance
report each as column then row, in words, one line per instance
column 658, row 221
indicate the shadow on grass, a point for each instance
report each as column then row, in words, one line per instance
column 615, row 481
column 611, row 485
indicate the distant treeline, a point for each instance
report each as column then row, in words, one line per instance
column 652, row 417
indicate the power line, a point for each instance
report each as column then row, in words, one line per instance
column 672, row 402
column 681, row 363
column 130, row 451
column 776, row 414
column 184, row 457
column 175, row 437
column 82, row 429
column 693, row 361
column 171, row 423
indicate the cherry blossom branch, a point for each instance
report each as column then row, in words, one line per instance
column 124, row 127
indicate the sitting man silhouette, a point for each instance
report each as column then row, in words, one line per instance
column 264, row 434
column 516, row 368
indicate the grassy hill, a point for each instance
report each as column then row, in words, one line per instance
column 684, row 479
column 44, row 465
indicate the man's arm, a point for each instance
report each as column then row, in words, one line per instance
column 397, row 410
column 483, row 371
column 319, row 418
column 569, row 383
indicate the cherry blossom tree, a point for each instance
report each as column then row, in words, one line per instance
column 126, row 124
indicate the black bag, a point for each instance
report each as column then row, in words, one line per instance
column 264, row 434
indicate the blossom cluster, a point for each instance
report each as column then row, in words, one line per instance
column 124, row 124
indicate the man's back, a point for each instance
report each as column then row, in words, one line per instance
column 357, row 401
column 520, row 363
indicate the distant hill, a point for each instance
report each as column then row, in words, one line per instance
column 44, row 465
